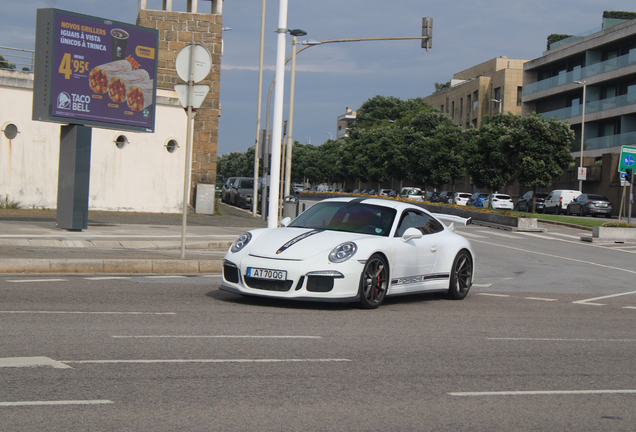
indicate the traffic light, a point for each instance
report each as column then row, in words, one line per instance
column 427, row 31
column 630, row 174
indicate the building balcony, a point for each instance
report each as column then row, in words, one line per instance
column 609, row 141
column 592, row 107
column 582, row 73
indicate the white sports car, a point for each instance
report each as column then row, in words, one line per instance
column 352, row 249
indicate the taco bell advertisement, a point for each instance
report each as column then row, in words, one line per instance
column 103, row 73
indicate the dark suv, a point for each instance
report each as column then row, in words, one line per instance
column 241, row 191
column 525, row 202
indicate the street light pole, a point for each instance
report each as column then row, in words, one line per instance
column 272, row 219
column 330, row 135
column 290, row 142
column 582, row 131
column 499, row 102
column 258, row 113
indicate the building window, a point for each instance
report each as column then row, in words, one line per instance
column 121, row 141
column 475, row 101
column 442, row 109
column 468, row 104
column 461, row 107
column 453, row 110
column 10, row 131
column 519, row 95
column 171, row 146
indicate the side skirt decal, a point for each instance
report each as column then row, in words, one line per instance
column 418, row 279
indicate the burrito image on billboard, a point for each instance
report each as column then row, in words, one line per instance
column 140, row 96
column 119, row 85
column 104, row 73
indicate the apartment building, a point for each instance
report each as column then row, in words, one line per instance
column 344, row 123
column 600, row 62
column 488, row 88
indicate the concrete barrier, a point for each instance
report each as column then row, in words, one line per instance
column 611, row 235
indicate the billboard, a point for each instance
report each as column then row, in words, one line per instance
column 93, row 71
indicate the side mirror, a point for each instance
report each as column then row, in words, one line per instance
column 410, row 234
column 285, row 221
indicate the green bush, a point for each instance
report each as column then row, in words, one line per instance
column 618, row 225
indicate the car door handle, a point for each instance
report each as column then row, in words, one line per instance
column 433, row 248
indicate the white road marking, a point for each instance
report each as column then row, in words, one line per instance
column 88, row 313
column 495, row 233
column 541, row 299
column 541, row 236
column 589, row 301
column 107, row 278
column 36, row 280
column 68, row 402
column 570, row 235
column 165, row 277
column 563, row 340
column 470, row 234
column 208, row 361
column 629, row 307
column 20, row 362
column 558, row 256
column 493, row 295
column 482, row 285
column 544, row 392
column 216, row 336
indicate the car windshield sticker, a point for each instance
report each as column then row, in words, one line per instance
column 297, row 239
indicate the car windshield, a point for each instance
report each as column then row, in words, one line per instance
column 350, row 216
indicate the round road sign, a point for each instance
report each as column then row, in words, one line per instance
column 202, row 63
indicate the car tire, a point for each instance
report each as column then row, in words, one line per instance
column 568, row 212
column 461, row 276
column 374, row 282
column 557, row 210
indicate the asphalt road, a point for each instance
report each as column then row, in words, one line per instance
column 545, row 342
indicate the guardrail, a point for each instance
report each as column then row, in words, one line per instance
column 17, row 58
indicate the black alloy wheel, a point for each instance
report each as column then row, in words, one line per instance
column 374, row 282
column 461, row 276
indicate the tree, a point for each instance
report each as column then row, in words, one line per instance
column 234, row 164
column 540, row 152
column 486, row 161
column 381, row 110
column 440, row 87
column 5, row 64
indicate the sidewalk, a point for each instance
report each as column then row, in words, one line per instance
column 119, row 242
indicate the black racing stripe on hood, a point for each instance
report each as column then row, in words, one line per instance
column 297, row 239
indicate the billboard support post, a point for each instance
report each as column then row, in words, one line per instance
column 73, row 178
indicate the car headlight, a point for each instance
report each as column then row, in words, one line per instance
column 241, row 242
column 343, row 252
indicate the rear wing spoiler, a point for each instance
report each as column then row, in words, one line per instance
column 453, row 220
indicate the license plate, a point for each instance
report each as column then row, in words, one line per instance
column 261, row 273
column 601, row 205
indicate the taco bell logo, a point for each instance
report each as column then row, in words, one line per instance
column 64, row 101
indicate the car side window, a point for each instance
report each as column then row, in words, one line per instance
column 419, row 220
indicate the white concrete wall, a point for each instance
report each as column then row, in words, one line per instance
column 142, row 176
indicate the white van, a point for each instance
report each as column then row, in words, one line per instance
column 558, row 200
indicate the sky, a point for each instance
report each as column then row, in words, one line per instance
column 332, row 77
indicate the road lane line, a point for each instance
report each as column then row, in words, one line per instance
column 36, row 280
column 629, row 307
column 558, row 256
column 561, row 340
column 67, row 402
column 88, row 313
column 327, row 360
column 493, row 295
column 20, row 362
column 216, row 336
column 542, row 299
column 107, row 278
column 495, row 233
column 543, row 392
column 482, row 285
column 589, row 301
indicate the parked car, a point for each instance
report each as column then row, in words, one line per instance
column 372, row 192
column 476, row 199
column 411, row 193
column 557, row 201
column 374, row 249
column 525, row 202
column 461, row 198
column 499, row 201
column 298, row 187
column 225, row 189
column 445, row 197
column 241, row 192
column 386, row 192
column 590, row 204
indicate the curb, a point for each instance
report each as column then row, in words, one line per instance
column 110, row 266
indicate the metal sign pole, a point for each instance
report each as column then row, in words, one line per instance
column 188, row 162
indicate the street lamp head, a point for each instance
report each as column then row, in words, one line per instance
column 495, row 100
column 310, row 42
column 297, row 32
column 580, row 82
